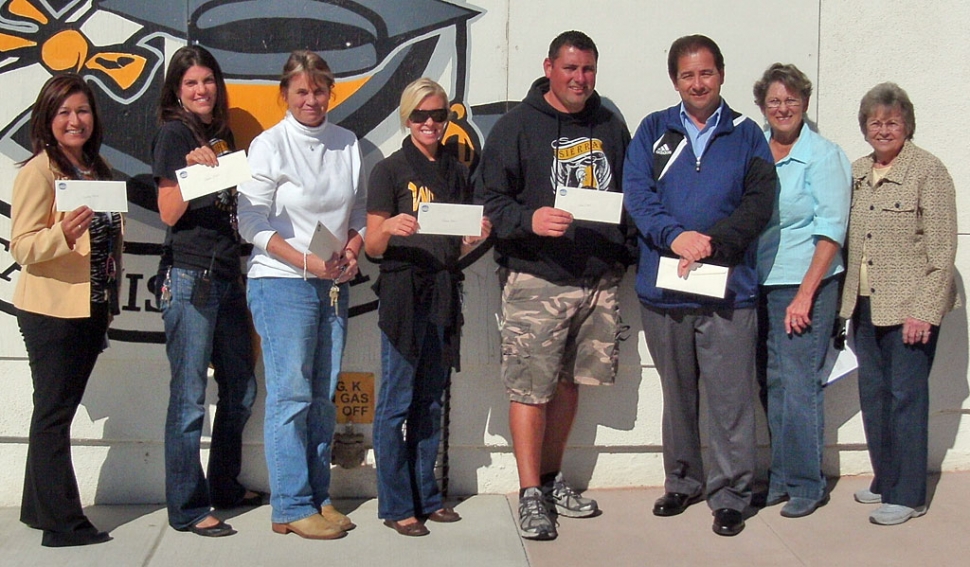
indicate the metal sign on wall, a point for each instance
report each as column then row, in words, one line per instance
column 355, row 398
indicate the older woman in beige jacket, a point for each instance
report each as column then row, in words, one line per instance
column 65, row 295
column 899, row 285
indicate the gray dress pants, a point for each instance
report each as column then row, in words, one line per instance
column 715, row 347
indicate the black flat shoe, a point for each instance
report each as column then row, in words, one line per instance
column 728, row 522
column 252, row 501
column 257, row 499
column 221, row 529
column 72, row 539
column 673, row 503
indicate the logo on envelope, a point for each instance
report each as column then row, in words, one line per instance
column 183, row 174
column 62, row 185
column 424, row 208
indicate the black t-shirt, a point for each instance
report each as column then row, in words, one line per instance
column 204, row 237
column 419, row 273
column 399, row 184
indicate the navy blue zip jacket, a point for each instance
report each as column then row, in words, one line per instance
column 728, row 194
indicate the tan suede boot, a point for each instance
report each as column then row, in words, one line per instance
column 334, row 516
column 312, row 527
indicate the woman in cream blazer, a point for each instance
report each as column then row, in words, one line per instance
column 65, row 295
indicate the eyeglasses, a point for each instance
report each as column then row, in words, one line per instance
column 775, row 103
column 421, row 116
column 876, row 126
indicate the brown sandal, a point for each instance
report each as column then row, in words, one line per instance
column 411, row 530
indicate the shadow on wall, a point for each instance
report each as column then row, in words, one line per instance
column 480, row 404
column 133, row 405
column 948, row 385
column 614, row 407
column 948, row 391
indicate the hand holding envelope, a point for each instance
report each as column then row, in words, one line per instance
column 700, row 279
column 100, row 196
column 590, row 204
column 325, row 244
column 450, row 219
column 198, row 180
column 549, row 221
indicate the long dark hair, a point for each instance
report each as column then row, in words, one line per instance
column 50, row 99
column 169, row 105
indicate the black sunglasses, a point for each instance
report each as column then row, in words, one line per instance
column 421, row 116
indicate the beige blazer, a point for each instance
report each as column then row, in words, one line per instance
column 54, row 278
column 907, row 223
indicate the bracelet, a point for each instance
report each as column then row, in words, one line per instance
column 304, row 266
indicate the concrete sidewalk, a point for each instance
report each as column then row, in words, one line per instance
column 625, row 534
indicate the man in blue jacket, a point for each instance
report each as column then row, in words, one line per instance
column 700, row 184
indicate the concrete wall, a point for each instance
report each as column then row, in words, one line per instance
column 484, row 52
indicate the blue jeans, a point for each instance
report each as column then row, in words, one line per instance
column 894, row 396
column 410, row 397
column 303, row 343
column 794, row 379
column 216, row 332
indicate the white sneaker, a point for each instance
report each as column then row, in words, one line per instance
column 534, row 519
column 866, row 496
column 893, row 514
column 565, row 501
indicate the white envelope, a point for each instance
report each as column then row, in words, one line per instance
column 324, row 243
column 703, row 279
column 839, row 363
column 590, row 204
column 198, row 180
column 101, row 196
column 450, row 219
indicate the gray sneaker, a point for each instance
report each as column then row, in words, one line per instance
column 893, row 514
column 562, row 498
column 534, row 519
column 866, row 496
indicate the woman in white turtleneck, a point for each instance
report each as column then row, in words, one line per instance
column 304, row 170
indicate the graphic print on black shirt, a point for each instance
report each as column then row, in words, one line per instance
column 580, row 162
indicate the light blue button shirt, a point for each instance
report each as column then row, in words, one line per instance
column 816, row 192
column 699, row 137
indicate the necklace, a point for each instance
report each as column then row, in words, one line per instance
column 83, row 172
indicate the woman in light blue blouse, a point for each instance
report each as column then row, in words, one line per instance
column 799, row 267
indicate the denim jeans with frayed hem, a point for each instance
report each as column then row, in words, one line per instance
column 217, row 332
column 303, row 340
column 796, row 402
column 407, row 425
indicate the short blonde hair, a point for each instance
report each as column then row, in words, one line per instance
column 415, row 93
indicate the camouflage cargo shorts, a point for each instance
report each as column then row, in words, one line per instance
column 552, row 332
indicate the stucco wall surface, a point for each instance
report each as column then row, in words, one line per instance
column 486, row 55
